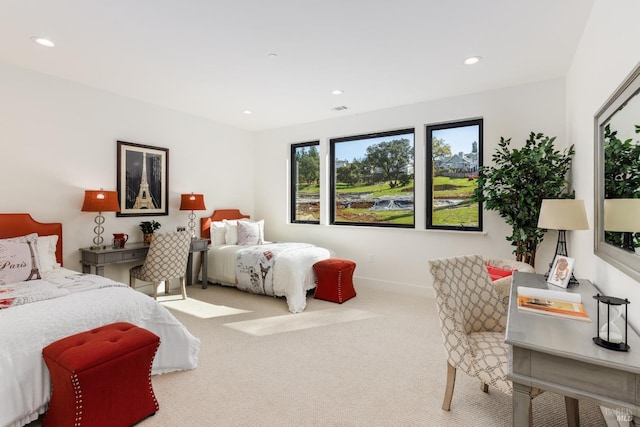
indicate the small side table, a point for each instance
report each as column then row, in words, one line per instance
column 136, row 251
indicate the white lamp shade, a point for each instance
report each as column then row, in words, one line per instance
column 622, row 215
column 563, row 214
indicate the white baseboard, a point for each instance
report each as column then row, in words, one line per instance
column 403, row 288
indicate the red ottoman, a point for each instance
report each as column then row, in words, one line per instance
column 101, row 377
column 334, row 279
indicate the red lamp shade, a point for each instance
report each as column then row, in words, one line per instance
column 192, row 202
column 100, row 201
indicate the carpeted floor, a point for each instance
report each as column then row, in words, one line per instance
column 384, row 367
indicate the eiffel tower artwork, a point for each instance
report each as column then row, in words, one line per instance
column 144, row 200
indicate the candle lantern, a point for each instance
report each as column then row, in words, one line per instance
column 609, row 334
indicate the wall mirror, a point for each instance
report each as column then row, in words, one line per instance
column 617, row 178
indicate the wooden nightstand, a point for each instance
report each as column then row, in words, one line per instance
column 136, row 251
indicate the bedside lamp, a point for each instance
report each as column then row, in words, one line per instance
column 100, row 201
column 623, row 216
column 192, row 202
column 563, row 215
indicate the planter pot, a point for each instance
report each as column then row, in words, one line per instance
column 147, row 238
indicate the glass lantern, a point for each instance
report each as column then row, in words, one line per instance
column 610, row 335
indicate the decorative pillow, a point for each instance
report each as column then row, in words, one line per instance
column 19, row 259
column 496, row 273
column 218, row 232
column 248, row 233
column 231, row 235
column 47, row 253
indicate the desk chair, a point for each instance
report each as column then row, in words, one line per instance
column 166, row 260
column 473, row 323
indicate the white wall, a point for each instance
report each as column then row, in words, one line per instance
column 59, row 139
column 607, row 53
column 397, row 258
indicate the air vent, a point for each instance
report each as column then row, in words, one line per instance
column 340, row 108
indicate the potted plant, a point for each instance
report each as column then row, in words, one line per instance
column 148, row 228
column 517, row 183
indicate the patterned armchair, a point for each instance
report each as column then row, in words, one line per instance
column 166, row 260
column 473, row 323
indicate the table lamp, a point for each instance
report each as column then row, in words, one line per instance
column 623, row 216
column 100, row 201
column 192, row 202
column 562, row 215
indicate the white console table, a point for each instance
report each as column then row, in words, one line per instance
column 559, row 355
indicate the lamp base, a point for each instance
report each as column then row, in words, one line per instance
column 97, row 247
column 611, row 345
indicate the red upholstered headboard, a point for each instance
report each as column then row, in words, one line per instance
column 218, row 215
column 20, row 224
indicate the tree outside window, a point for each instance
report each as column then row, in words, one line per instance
column 305, row 182
column 372, row 179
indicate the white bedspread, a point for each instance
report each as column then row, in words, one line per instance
column 26, row 329
column 293, row 272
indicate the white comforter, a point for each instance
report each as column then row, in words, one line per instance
column 94, row 301
column 293, row 272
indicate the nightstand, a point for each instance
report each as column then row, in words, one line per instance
column 136, row 251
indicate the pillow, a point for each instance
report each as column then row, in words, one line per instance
column 218, row 232
column 47, row 252
column 19, row 259
column 248, row 233
column 496, row 273
column 231, row 235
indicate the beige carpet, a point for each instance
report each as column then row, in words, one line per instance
column 296, row 322
column 197, row 308
column 384, row 370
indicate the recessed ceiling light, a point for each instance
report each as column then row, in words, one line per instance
column 43, row 42
column 472, row 60
column 272, row 55
column 336, row 92
column 339, row 108
column 247, row 112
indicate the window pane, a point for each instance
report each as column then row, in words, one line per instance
column 454, row 151
column 372, row 179
column 305, row 182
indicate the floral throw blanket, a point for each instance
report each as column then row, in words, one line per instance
column 254, row 266
column 19, row 293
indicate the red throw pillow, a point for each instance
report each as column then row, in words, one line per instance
column 496, row 273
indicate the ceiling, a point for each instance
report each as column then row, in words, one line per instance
column 211, row 58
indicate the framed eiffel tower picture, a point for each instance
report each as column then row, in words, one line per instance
column 143, row 180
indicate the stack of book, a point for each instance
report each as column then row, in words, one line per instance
column 552, row 303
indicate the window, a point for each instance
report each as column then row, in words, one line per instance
column 372, row 179
column 454, row 156
column 305, row 182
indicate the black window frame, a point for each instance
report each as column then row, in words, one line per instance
column 293, row 174
column 332, row 175
column 429, row 171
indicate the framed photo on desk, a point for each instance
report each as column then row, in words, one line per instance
column 561, row 271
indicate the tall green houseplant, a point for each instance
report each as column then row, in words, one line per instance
column 516, row 184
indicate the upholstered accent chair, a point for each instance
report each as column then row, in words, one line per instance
column 503, row 285
column 473, row 324
column 166, row 260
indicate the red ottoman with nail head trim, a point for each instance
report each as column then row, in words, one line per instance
column 101, row 377
column 334, row 279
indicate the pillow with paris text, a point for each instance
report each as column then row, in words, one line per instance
column 248, row 233
column 19, row 259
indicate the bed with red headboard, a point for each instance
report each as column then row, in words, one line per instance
column 240, row 257
column 58, row 302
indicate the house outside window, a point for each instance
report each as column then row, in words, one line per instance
column 454, row 157
column 305, row 182
column 372, row 179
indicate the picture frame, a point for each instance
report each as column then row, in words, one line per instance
column 561, row 271
column 143, row 179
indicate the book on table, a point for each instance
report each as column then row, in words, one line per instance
column 551, row 303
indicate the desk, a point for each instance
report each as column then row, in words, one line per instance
column 559, row 355
column 136, row 251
